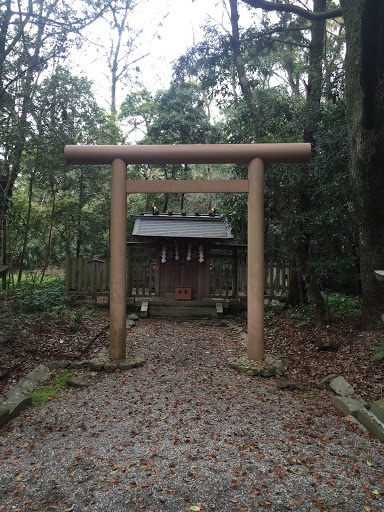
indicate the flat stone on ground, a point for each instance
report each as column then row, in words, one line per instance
column 371, row 424
column 378, row 409
column 111, row 366
column 127, row 365
column 78, row 381
column 79, row 364
column 29, row 382
column 16, row 405
column 327, row 378
column 4, row 415
column 53, row 365
column 347, row 405
column 341, row 387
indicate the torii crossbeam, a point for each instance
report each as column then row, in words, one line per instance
column 252, row 154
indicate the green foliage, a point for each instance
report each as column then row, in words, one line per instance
column 11, row 327
column 272, row 308
column 47, row 297
column 379, row 352
column 340, row 304
column 44, row 393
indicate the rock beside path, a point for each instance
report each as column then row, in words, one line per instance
column 269, row 367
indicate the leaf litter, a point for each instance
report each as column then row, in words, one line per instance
column 185, row 432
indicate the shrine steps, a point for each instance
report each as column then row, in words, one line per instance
column 183, row 309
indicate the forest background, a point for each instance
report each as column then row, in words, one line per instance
column 283, row 71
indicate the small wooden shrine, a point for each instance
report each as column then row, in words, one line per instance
column 182, row 250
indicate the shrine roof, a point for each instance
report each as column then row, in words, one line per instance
column 181, row 226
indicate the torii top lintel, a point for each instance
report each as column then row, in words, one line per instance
column 189, row 153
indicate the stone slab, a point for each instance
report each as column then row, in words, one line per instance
column 183, row 312
column 96, row 364
column 127, row 365
column 57, row 365
column 78, row 365
column 378, row 409
column 77, row 381
column 111, row 366
column 272, row 365
column 326, row 379
column 13, row 407
column 353, row 420
column 341, row 387
column 4, row 415
column 29, row 382
column 370, row 423
column 347, row 405
column 144, row 310
column 18, row 405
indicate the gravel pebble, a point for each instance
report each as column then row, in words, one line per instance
column 186, row 432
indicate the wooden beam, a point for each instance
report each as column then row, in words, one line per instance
column 189, row 153
column 185, row 186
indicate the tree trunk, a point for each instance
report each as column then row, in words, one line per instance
column 364, row 25
column 79, row 219
column 311, row 285
column 209, row 172
column 30, row 191
column 4, row 250
column 240, row 67
column 296, row 291
column 314, row 90
column 50, row 232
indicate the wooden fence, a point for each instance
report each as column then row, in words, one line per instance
column 228, row 276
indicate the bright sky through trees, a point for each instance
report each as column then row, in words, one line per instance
column 168, row 28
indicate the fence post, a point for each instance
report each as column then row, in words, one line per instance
column 234, row 273
column 129, row 271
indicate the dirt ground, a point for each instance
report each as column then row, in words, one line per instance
column 311, row 353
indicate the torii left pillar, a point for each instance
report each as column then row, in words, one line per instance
column 118, row 284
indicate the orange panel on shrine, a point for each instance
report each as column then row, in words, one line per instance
column 183, row 292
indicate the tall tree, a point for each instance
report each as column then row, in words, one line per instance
column 365, row 109
column 32, row 35
column 364, row 24
column 173, row 116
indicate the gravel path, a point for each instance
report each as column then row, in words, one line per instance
column 185, row 432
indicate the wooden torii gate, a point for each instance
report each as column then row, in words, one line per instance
column 252, row 154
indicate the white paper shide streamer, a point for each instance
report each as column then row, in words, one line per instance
column 164, row 254
column 201, row 253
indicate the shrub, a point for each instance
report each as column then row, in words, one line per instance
column 340, row 304
column 46, row 297
column 379, row 352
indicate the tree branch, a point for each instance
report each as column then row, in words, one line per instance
column 294, row 9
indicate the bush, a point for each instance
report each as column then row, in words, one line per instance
column 340, row 304
column 47, row 297
column 379, row 352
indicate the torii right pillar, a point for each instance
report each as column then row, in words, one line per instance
column 255, row 258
